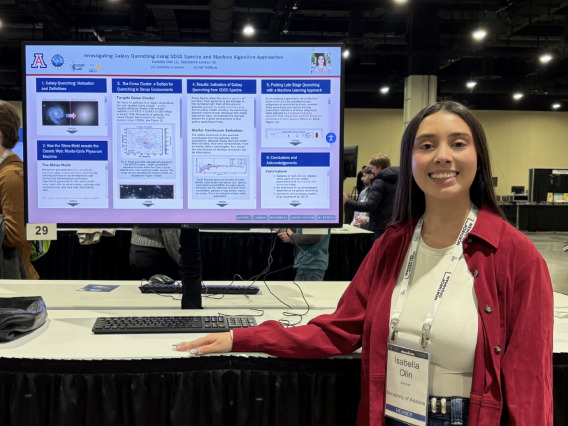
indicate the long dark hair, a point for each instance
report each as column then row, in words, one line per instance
column 317, row 55
column 409, row 199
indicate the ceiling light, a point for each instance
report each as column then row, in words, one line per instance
column 346, row 53
column 471, row 84
column 517, row 96
column 384, row 90
column 556, row 105
column 479, row 34
column 400, row 1
column 545, row 58
column 248, row 30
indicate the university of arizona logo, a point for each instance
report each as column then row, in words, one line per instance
column 38, row 61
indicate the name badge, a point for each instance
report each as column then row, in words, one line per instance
column 407, row 385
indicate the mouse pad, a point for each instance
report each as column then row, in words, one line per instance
column 98, row 287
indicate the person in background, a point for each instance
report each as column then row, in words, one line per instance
column 380, row 199
column 449, row 275
column 359, row 185
column 311, row 254
column 361, row 219
column 16, row 250
column 155, row 251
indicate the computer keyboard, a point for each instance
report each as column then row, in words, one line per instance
column 205, row 288
column 170, row 324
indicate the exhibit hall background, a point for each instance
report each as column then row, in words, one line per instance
column 518, row 140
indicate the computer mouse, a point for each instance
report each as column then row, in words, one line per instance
column 161, row 279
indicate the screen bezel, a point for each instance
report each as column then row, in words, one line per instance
column 245, row 225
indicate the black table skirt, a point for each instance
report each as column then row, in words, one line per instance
column 195, row 391
column 537, row 217
column 224, row 256
column 218, row 391
column 560, row 377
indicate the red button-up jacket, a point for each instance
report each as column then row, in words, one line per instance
column 512, row 373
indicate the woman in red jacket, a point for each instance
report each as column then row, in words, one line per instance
column 452, row 307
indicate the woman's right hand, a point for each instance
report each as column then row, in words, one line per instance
column 210, row 344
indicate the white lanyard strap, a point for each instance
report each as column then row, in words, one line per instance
column 402, row 297
column 6, row 153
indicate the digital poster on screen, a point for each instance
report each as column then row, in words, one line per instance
column 221, row 135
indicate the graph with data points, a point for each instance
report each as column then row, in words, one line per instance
column 146, row 142
column 221, row 165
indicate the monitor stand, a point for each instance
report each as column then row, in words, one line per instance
column 190, row 268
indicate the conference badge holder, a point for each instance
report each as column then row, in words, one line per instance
column 406, row 398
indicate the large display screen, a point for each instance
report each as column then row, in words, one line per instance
column 189, row 135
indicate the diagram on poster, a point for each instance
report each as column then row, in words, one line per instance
column 221, row 166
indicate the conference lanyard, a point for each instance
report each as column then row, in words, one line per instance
column 402, row 297
column 6, row 153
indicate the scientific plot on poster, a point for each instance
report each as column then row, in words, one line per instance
column 146, row 141
column 221, row 166
column 147, row 174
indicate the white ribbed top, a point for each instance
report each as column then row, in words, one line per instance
column 454, row 331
